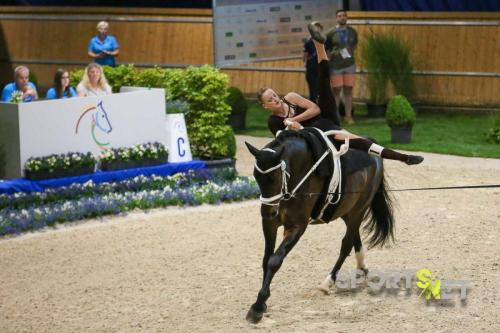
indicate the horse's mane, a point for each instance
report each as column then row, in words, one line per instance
column 314, row 144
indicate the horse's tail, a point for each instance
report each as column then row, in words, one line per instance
column 381, row 223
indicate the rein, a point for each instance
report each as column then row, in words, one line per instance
column 459, row 187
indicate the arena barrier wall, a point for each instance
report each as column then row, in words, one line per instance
column 454, row 53
column 86, row 124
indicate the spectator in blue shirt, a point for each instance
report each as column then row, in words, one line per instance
column 103, row 48
column 22, row 84
column 61, row 87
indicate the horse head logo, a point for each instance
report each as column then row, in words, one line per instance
column 100, row 121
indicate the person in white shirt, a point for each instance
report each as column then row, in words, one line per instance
column 94, row 82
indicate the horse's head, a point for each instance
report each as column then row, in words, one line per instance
column 269, row 169
column 278, row 168
column 101, row 119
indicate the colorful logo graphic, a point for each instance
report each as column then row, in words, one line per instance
column 429, row 284
column 393, row 280
column 100, row 121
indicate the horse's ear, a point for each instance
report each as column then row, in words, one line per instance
column 254, row 151
column 278, row 151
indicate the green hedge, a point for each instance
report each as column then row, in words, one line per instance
column 203, row 89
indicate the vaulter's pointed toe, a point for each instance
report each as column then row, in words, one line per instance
column 414, row 159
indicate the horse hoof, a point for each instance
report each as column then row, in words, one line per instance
column 362, row 272
column 253, row 316
column 324, row 290
column 326, row 285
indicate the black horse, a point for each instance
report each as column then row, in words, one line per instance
column 280, row 167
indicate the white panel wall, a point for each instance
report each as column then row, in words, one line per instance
column 84, row 124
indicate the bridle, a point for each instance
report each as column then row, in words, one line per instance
column 284, row 194
column 284, row 184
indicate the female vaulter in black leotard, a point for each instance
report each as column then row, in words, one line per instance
column 328, row 118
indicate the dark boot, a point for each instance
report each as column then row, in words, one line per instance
column 414, row 159
column 315, row 33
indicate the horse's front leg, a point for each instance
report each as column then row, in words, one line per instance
column 291, row 237
column 270, row 224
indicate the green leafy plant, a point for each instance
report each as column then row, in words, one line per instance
column 399, row 112
column 493, row 135
column 230, row 142
column 123, row 75
column 205, row 90
column 372, row 55
column 386, row 57
column 401, row 70
column 236, row 101
column 55, row 162
column 239, row 106
column 155, row 77
column 76, row 77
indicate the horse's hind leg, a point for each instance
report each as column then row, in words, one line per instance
column 345, row 249
column 292, row 236
column 360, row 255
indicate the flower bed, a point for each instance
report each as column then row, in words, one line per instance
column 30, row 211
column 139, row 155
column 59, row 165
column 74, row 164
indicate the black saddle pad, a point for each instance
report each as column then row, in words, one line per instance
column 355, row 160
column 352, row 161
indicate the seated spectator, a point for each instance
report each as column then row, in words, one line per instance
column 103, row 48
column 94, row 82
column 21, row 83
column 61, row 87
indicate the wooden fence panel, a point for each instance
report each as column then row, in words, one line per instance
column 45, row 38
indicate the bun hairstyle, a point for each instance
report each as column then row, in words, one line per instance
column 260, row 93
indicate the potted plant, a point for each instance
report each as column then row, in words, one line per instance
column 373, row 57
column 239, row 106
column 400, row 68
column 400, row 117
column 387, row 59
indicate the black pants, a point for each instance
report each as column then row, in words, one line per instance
column 312, row 80
column 326, row 100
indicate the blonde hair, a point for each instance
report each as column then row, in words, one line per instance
column 102, row 83
column 102, row 24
